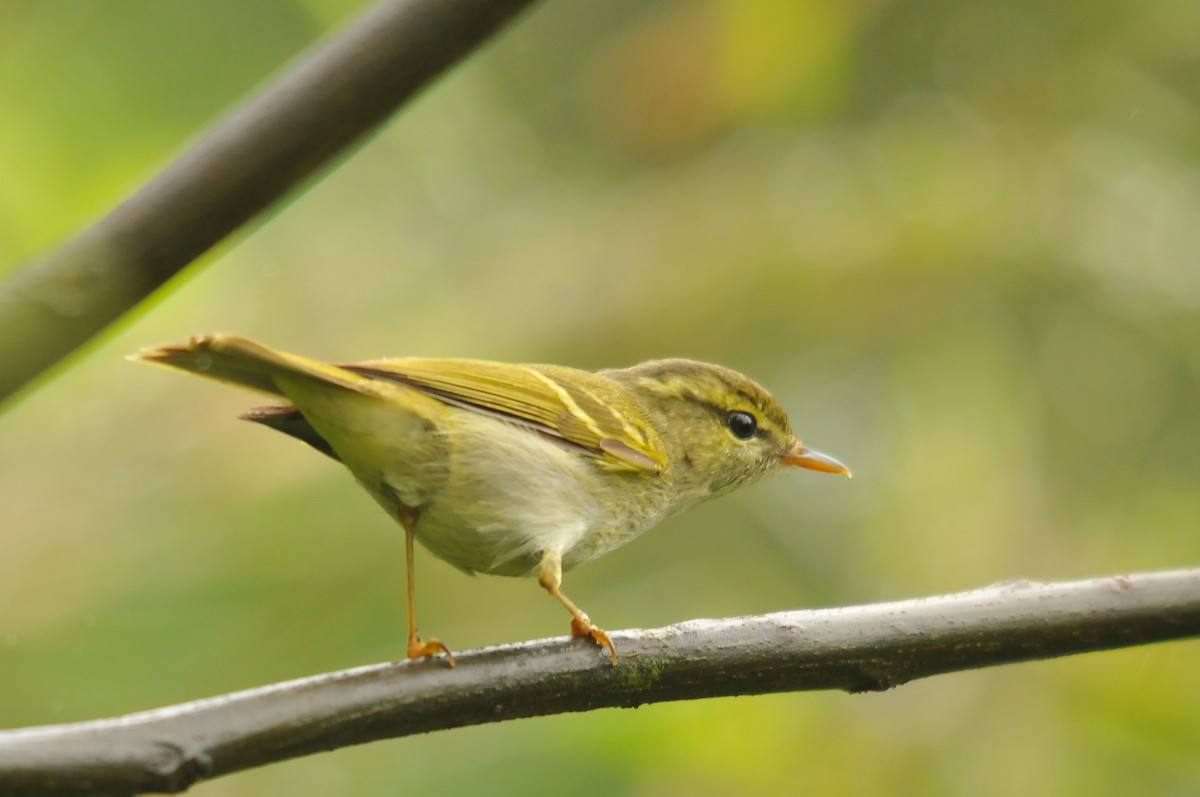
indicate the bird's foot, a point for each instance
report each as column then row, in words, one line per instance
column 582, row 626
column 419, row 649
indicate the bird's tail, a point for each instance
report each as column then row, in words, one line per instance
column 250, row 364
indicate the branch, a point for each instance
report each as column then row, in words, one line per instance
column 862, row 648
column 322, row 105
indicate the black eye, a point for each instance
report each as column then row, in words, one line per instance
column 742, row 424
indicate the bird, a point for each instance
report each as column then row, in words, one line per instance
column 510, row 469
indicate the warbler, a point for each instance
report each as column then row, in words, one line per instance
column 516, row 470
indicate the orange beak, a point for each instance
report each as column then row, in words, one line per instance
column 803, row 457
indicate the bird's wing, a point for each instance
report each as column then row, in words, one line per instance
column 580, row 408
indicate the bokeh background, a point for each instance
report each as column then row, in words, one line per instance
column 960, row 241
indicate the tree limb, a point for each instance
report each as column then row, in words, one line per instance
column 861, row 648
column 316, row 109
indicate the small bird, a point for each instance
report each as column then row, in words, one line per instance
column 516, row 470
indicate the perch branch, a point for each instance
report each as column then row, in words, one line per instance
column 861, row 648
column 320, row 106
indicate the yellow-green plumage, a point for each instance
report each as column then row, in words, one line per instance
column 511, row 469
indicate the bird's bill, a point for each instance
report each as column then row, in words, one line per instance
column 803, row 457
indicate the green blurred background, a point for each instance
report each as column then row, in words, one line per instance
column 960, row 241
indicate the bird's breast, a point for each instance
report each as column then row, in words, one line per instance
column 511, row 493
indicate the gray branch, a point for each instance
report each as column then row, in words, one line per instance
column 316, row 109
column 858, row 649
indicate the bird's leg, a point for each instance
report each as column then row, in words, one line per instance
column 416, row 647
column 550, row 577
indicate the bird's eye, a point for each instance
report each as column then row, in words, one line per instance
column 742, row 424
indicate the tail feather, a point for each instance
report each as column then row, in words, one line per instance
column 289, row 420
column 337, row 411
column 245, row 362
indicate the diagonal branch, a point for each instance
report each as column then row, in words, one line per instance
column 320, row 106
column 859, row 648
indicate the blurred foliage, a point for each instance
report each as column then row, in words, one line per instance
column 959, row 241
